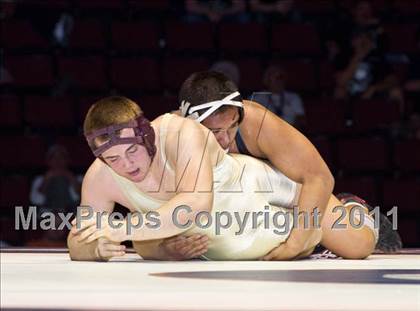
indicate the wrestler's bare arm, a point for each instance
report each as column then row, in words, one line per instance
column 292, row 154
column 188, row 153
column 96, row 194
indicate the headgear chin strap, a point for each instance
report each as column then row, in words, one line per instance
column 233, row 99
column 143, row 135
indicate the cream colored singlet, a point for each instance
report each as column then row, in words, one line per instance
column 242, row 185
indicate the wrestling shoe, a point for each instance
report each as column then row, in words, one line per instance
column 389, row 240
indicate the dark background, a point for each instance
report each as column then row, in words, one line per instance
column 145, row 49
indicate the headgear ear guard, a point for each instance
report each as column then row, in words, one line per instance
column 234, row 99
column 144, row 135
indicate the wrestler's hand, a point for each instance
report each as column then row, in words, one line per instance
column 106, row 249
column 300, row 244
column 90, row 231
column 184, row 248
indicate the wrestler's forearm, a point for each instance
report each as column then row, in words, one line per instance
column 80, row 251
column 315, row 193
column 174, row 217
column 150, row 250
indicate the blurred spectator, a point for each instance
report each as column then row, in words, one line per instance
column 215, row 11
column 62, row 30
column 275, row 11
column 361, row 70
column 57, row 191
column 285, row 104
column 229, row 69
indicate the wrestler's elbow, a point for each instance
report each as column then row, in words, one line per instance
column 202, row 202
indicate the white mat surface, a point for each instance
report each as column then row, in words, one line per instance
column 52, row 281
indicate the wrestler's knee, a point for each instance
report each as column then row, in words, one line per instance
column 364, row 247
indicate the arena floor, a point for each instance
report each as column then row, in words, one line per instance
column 39, row 279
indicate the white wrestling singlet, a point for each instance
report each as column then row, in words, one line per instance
column 242, row 185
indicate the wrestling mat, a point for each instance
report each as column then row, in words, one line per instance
column 34, row 279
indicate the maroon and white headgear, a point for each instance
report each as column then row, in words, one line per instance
column 144, row 135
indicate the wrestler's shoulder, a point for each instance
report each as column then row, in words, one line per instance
column 97, row 172
column 177, row 122
column 253, row 111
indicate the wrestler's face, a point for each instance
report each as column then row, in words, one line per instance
column 224, row 126
column 128, row 160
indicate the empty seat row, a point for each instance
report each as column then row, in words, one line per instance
column 287, row 39
column 334, row 117
column 151, row 74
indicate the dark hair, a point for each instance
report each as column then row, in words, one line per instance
column 206, row 86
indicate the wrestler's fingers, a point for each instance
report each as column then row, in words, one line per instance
column 95, row 235
column 197, row 251
column 197, row 237
column 198, row 254
column 83, row 235
column 83, row 225
column 176, row 242
column 183, row 241
column 114, row 248
column 191, row 247
column 108, row 254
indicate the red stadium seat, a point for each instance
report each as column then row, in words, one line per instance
column 186, row 36
column 323, row 145
column 362, row 154
column 155, row 5
column 364, row 187
column 314, row 7
column 409, row 8
column 49, row 112
column 300, row 75
column 100, row 4
column 176, row 70
column 251, row 74
column 407, row 155
column 86, row 72
column 133, row 36
column 402, row 193
column 325, row 117
column 87, row 34
column 141, row 74
column 409, row 232
column 55, row 5
column 236, row 37
column 401, row 38
column 23, row 152
column 154, row 106
column 10, row 111
column 20, row 34
column 371, row 114
column 80, row 153
column 326, row 76
column 14, row 191
column 84, row 104
column 30, row 70
column 295, row 39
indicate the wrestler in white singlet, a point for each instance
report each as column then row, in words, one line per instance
column 241, row 184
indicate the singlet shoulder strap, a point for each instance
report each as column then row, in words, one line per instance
column 241, row 144
column 163, row 131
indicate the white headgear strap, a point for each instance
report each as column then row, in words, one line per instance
column 210, row 106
